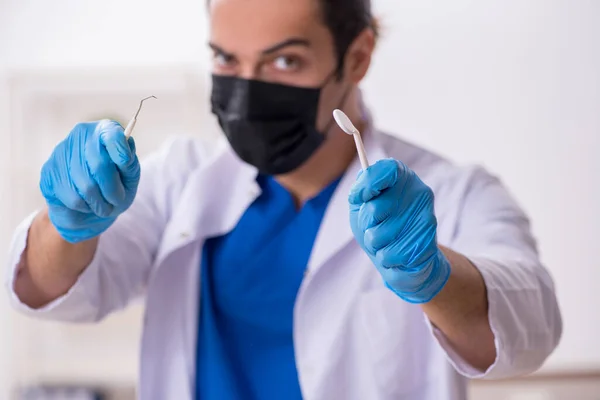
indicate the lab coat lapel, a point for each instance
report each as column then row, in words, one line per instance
column 214, row 199
column 216, row 196
column 335, row 233
column 229, row 188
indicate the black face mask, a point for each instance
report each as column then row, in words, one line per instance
column 270, row 126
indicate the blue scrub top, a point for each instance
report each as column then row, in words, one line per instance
column 250, row 278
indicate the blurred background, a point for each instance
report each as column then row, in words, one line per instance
column 510, row 84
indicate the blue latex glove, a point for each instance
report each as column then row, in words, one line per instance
column 90, row 178
column 392, row 218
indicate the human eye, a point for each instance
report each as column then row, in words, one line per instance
column 287, row 63
column 223, row 61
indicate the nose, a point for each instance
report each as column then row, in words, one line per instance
column 249, row 71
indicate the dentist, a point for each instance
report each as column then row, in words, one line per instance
column 271, row 266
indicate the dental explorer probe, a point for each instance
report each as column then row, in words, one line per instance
column 131, row 124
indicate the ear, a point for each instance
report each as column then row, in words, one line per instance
column 358, row 57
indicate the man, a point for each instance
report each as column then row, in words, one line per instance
column 273, row 268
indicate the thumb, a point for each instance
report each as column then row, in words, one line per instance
column 122, row 151
column 131, row 173
column 374, row 180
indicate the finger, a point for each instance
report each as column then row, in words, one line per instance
column 395, row 215
column 372, row 181
column 383, row 234
column 119, row 148
column 87, row 187
column 131, row 179
column 411, row 250
column 104, row 172
column 132, row 145
column 398, row 236
column 70, row 201
column 63, row 196
column 405, row 281
column 66, row 219
column 379, row 209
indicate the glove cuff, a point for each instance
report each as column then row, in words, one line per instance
column 81, row 233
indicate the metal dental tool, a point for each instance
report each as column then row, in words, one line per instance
column 131, row 124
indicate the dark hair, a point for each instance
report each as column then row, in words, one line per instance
column 346, row 19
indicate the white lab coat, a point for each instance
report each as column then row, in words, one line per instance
column 353, row 338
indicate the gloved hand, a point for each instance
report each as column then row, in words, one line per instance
column 392, row 218
column 90, row 178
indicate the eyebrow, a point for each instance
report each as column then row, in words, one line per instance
column 286, row 43
column 269, row 50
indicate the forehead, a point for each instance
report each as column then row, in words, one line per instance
column 254, row 24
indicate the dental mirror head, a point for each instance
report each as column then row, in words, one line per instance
column 344, row 122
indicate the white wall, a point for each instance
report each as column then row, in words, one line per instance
column 5, row 332
column 103, row 33
column 511, row 84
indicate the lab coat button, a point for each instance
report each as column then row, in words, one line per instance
column 184, row 235
column 253, row 192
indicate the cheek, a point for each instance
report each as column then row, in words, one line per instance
column 331, row 98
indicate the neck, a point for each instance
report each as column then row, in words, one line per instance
column 328, row 163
